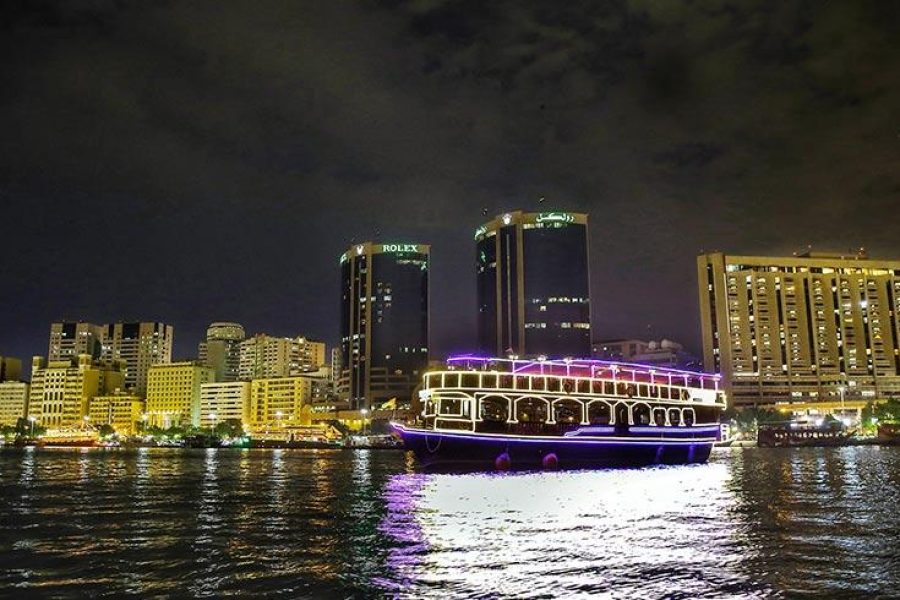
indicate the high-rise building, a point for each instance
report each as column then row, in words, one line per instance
column 816, row 331
column 13, row 401
column 226, row 401
column 10, row 368
column 279, row 402
column 533, row 285
column 663, row 353
column 173, row 392
column 267, row 356
column 384, row 321
column 139, row 345
column 122, row 410
column 61, row 391
column 222, row 350
column 69, row 339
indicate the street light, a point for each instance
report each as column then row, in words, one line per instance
column 842, row 389
column 212, row 429
column 32, row 419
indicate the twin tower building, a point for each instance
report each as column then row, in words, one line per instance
column 533, row 298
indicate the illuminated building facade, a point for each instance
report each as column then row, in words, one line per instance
column 139, row 345
column 13, row 401
column 69, row 339
column 533, row 285
column 173, row 392
column 61, row 390
column 10, row 368
column 278, row 402
column 122, row 411
column 228, row 401
column 384, row 321
column 264, row 356
column 222, row 350
column 809, row 332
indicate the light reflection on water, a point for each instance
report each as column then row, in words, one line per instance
column 161, row 522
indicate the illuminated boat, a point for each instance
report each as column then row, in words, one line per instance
column 525, row 414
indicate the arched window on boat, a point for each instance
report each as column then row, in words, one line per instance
column 599, row 413
column 621, row 414
column 640, row 414
column 674, row 416
column 493, row 412
column 567, row 411
column 531, row 410
column 688, row 417
column 659, row 416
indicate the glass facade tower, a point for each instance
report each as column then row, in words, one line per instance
column 384, row 322
column 533, row 285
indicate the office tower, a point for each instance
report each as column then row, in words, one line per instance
column 69, row 339
column 13, row 402
column 222, row 350
column 10, row 368
column 173, row 392
column 267, row 356
column 809, row 332
column 279, row 402
column 61, row 390
column 123, row 411
column 384, row 321
column 228, row 401
column 532, row 285
column 663, row 353
column 139, row 345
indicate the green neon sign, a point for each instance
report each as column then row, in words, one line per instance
column 555, row 217
column 480, row 231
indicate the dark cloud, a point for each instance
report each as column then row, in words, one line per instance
column 210, row 160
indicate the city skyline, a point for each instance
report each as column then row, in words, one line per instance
column 198, row 178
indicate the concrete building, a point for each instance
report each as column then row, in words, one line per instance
column 222, row 350
column 13, row 401
column 10, row 368
column 533, row 286
column 815, row 332
column 663, row 353
column 279, row 402
column 384, row 321
column 69, row 339
column 264, row 356
column 139, row 345
column 61, row 390
column 173, row 393
column 122, row 410
column 225, row 401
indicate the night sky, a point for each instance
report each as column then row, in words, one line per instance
column 199, row 161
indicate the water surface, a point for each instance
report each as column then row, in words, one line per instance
column 330, row 523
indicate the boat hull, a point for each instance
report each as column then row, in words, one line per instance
column 442, row 449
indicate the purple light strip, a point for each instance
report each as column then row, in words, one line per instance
column 616, row 441
column 584, row 362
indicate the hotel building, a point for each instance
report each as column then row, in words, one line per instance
column 173, row 393
column 123, row 411
column 533, row 285
column 222, row 350
column 384, row 322
column 61, row 390
column 809, row 332
column 13, row 401
column 223, row 402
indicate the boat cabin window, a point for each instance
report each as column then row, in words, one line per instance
column 494, row 409
column 674, row 416
column 640, row 414
column 489, row 380
column 664, row 392
column 654, row 391
column 531, row 410
column 598, row 386
column 451, row 380
column 598, row 413
column 608, row 388
column 567, row 411
column 659, row 416
column 539, row 383
column 451, row 406
column 584, row 386
column 506, row 382
column 621, row 389
column 522, row 383
column 553, row 384
column 642, row 390
column 688, row 416
column 470, row 380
